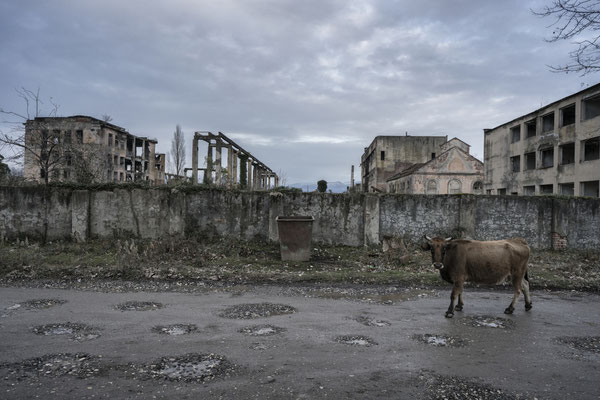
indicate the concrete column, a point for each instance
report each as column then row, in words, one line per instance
column 218, row 180
column 250, row 172
column 234, row 168
column 230, row 166
column 209, row 156
column 276, row 181
column 352, row 177
column 195, row 160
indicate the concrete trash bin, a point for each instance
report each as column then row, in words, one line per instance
column 295, row 237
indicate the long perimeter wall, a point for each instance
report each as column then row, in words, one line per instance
column 354, row 220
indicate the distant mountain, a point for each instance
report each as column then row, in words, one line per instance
column 335, row 187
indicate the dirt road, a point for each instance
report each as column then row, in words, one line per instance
column 288, row 342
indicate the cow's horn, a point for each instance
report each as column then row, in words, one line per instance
column 448, row 239
column 428, row 238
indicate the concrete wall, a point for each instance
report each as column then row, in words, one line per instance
column 354, row 220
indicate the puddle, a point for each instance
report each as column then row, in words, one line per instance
column 139, row 306
column 175, row 329
column 440, row 340
column 259, row 310
column 356, row 340
column 73, row 331
column 487, row 321
column 583, row 343
column 191, row 367
column 81, row 365
column 261, row 330
column 371, row 321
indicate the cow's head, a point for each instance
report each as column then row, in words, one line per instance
column 438, row 247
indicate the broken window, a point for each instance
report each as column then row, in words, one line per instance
column 548, row 123
column 515, row 163
column 567, row 153
column 122, row 161
column 546, row 189
column 591, row 107
column 567, row 115
column 115, row 160
column 591, row 149
column 79, row 135
column 529, row 161
column 489, row 191
column 567, row 189
column 432, row 156
column 590, row 189
column 502, row 191
column 531, row 127
column 382, row 155
column 529, row 190
column 454, row 186
column 515, row 133
column 478, row 187
column 547, row 156
column 110, row 139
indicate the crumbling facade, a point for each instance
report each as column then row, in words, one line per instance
column 552, row 150
column 256, row 175
column 452, row 171
column 91, row 150
column 388, row 155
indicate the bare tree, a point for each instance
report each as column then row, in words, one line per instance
column 106, row 118
column 178, row 151
column 577, row 20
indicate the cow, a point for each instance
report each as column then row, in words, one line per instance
column 476, row 261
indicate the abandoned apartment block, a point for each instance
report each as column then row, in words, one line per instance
column 552, row 150
column 85, row 149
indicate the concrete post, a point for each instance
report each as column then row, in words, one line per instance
column 229, row 166
column 250, row 172
column 195, row 160
column 208, row 172
column 352, row 178
column 234, row 168
column 276, row 181
column 218, row 180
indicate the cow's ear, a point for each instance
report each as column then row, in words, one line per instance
column 426, row 246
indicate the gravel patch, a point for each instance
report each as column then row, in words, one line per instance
column 259, row 310
column 139, row 306
column 175, row 329
column 356, row 340
column 190, row 367
column 582, row 343
column 457, row 388
column 371, row 321
column 487, row 321
column 38, row 304
column 261, row 330
column 72, row 330
column 81, row 365
column 440, row 340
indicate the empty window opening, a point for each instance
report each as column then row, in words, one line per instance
column 591, row 107
column 567, row 115
column 116, row 160
column 115, row 176
column 547, row 189
column 515, row 163
column 67, row 137
column 515, row 134
column 567, row 154
column 432, row 156
column 547, row 156
column 531, row 127
column 502, row 191
column 548, row 123
column 489, row 191
column 382, row 155
column 79, row 135
column 110, row 139
column 514, row 193
column 66, row 174
column 567, row 189
column 529, row 190
column 478, row 187
column 530, row 161
column 590, row 188
column 591, row 149
column 68, row 158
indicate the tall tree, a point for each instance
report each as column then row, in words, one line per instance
column 178, row 151
column 577, row 20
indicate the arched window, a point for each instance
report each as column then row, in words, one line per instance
column 477, row 187
column 431, row 187
column 454, row 186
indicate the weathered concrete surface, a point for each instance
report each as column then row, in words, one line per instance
column 305, row 361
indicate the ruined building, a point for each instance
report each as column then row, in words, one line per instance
column 552, row 150
column 386, row 156
column 452, row 171
column 86, row 149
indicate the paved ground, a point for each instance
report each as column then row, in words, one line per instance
column 325, row 344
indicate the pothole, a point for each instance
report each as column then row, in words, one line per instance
column 487, row 321
column 371, row 321
column 456, row 388
column 261, row 330
column 73, row 331
column 191, row 367
column 582, row 343
column 175, row 329
column 81, row 365
column 139, row 306
column 440, row 340
column 357, row 340
column 258, row 310
column 38, row 304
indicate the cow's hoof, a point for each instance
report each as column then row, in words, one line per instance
column 528, row 306
column 509, row 310
column 449, row 314
column 458, row 308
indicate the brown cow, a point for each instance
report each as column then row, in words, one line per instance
column 490, row 262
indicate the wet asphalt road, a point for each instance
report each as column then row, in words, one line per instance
column 410, row 351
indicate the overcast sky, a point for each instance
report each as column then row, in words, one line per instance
column 304, row 85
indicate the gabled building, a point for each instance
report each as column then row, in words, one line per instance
column 453, row 171
column 552, row 150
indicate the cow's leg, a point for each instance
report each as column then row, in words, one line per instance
column 456, row 292
column 525, row 287
column 516, row 281
column 460, row 304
